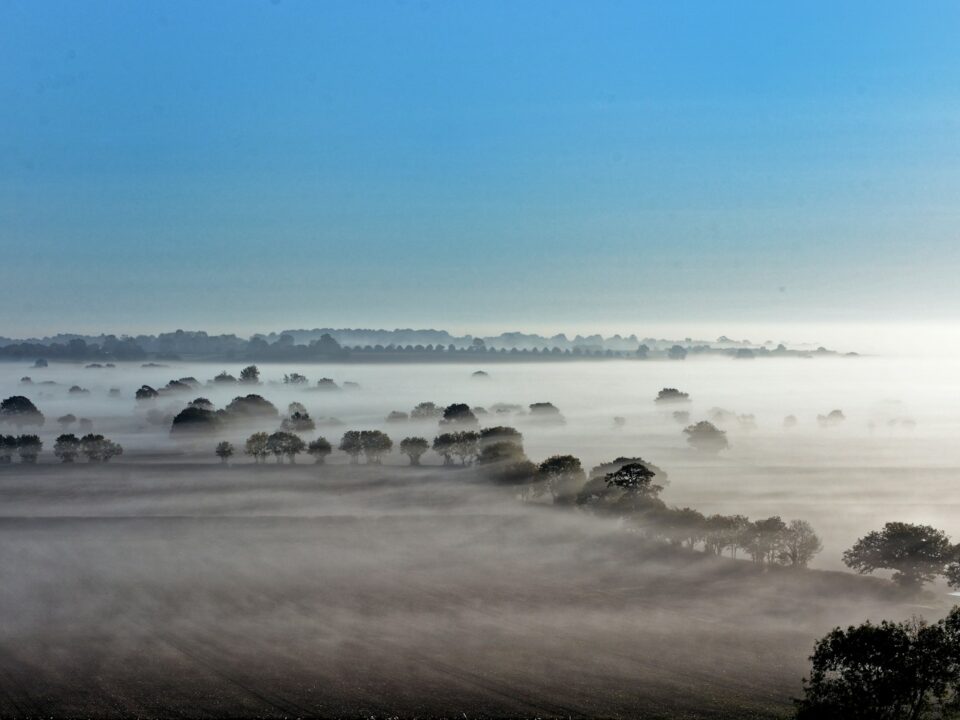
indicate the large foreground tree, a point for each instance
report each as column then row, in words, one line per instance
column 890, row 671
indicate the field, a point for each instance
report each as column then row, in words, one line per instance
column 164, row 584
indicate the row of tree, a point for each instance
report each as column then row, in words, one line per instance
column 67, row 448
column 626, row 487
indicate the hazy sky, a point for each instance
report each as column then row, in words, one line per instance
column 259, row 165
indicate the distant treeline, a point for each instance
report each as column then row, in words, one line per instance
column 349, row 345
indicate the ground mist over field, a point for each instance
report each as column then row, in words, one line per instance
column 164, row 584
column 339, row 590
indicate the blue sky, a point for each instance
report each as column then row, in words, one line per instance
column 257, row 165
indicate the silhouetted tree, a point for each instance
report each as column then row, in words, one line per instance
column 706, row 437
column 295, row 379
column 397, row 416
column 677, row 353
column 224, row 451
column 800, row 544
column 29, row 447
column 319, row 448
column 350, row 444
column 916, row 553
column 459, row 414
column 250, row 375
column 19, row 411
column 672, row 395
column 91, row 446
column 414, row 448
column 65, row 421
column 375, row 443
column 298, row 422
column 251, row 406
column 67, row 447
column 563, row 476
column 256, row 446
column 443, row 445
column 193, row 419
column 285, row 444
column 426, row 411
column 724, row 532
column 466, row 445
column 202, row 403
column 8, row 445
column 224, row 378
column 146, row 393
column 110, row 450
column 500, row 433
column 546, row 412
column 890, row 671
column 764, row 540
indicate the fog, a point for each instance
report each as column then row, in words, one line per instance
column 164, row 583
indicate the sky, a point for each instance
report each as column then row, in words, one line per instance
column 257, row 165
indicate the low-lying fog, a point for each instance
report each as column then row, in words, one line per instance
column 894, row 457
column 157, row 584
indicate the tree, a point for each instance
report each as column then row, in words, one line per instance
column 834, row 417
column 676, row 353
column 374, row 444
column 224, row 451
column 18, row 410
column 8, row 444
column 459, row 414
column 287, row 444
column 91, row 446
column 764, row 540
column 563, row 476
column 295, row 379
column 29, row 447
column 800, row 544
column 109, row 449
column 724, row 532
column 67, row 447
column 319, row 449
column 256, row 446
column 500, row 433
column 635, row 478
column 146, row 393
column 414, row 448
column 443, row 445
column 298, row 422
column 890, row 671
column 505, row 462
column 65, row 421
column 251, row 407
column 706, row 437
column 465, row 445
column 350, row 444
column 195, row 419
column 672, row 395
column 546, row 412
column 425, row 411
column 250, row 375
column 916, row 553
